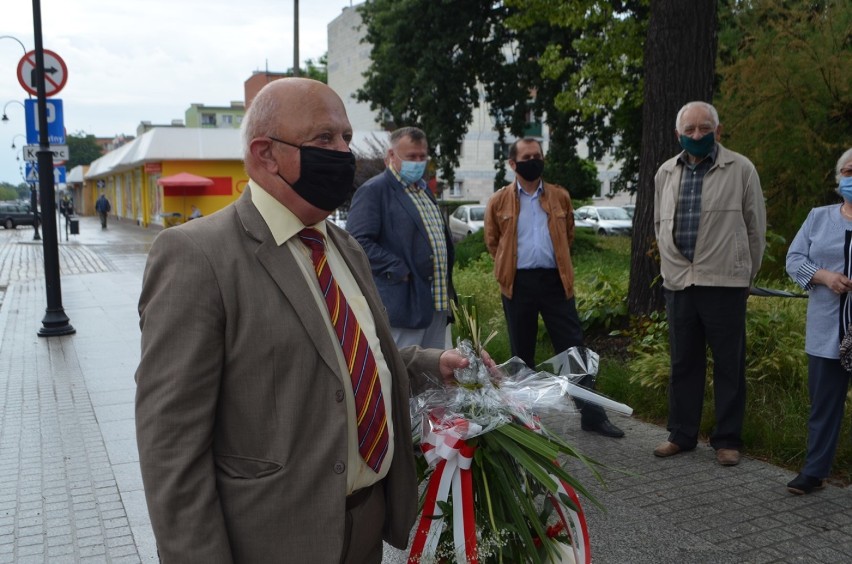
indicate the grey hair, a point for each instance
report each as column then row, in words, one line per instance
column 260, row 119
column 714, row 115
column 415, row 133
column 844, row 158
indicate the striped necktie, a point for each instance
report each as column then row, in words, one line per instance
column 369, row 403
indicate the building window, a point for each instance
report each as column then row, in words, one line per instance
column 457, row 190
column 532, row 127
column 501, row 151
column 227, row 119
column 208, row 119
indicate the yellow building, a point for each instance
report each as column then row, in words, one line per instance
column 128, row 175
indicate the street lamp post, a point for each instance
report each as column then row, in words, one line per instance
column 19, row 42
column 55, row 322
column 6, row 105
column 15, row 137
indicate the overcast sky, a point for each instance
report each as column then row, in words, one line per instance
column 148, row 60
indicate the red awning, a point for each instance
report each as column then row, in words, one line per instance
column 184, row 179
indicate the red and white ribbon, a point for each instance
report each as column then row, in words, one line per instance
column 574, row 522
column 444, row 447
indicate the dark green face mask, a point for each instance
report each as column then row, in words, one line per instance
column 698, row 148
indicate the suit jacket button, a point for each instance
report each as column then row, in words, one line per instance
column 338, row 395
column 339, row 467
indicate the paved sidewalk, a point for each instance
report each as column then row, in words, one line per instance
column 70, row 489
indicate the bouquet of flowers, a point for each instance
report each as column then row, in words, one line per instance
column 496, row 491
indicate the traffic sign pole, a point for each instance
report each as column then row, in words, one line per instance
column 55, row 322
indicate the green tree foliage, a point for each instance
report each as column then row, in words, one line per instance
column 426, row 60
column 317, row 70
column 786, row 100
column 8, row 192
column 432, row 79
column 82, row 148
column 589, row 58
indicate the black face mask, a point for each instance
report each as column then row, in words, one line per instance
column 326, row 176
column 530, row 170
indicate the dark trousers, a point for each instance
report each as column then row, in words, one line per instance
column 540, row 291
column 699, row 316
column 362, row 542
column 828, row 383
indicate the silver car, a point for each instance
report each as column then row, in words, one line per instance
column 467, row 219
column 607, row 220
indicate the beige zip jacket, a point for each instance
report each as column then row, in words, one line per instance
column 731, row 231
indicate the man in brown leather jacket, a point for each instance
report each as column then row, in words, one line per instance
column 529, row 227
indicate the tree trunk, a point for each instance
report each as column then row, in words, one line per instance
column 680, row 56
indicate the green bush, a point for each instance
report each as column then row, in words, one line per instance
column 470, row 249
column 601, row 305
column 477, row 282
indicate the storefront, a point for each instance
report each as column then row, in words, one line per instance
column 129, row 175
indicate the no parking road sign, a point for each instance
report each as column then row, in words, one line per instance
column 55, row 73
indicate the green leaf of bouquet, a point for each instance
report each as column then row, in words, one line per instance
column 562, row 474
column 529, row 439
column 521, row 514
column 541, row 466
column 524, row 458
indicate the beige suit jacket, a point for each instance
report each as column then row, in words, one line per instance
column 240, row 414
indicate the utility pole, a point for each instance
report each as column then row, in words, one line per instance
column 296, row 71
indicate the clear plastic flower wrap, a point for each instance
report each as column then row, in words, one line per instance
column 512, row 391
column 496, row 489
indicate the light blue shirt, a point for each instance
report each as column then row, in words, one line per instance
column 819, row 244
column 535, row 248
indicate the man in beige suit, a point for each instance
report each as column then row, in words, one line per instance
column 247, row 436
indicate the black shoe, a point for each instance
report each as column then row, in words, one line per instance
column 803, row 484
column 605, row 428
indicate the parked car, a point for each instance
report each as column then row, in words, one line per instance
column 338, row 217
column 580, row 223
column 630, row 209
column 607, row 220
column 467, row 219
column 14, row 214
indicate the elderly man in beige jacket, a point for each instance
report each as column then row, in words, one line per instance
column 710, row 222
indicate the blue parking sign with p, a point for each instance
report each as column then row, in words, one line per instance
column 55, row 121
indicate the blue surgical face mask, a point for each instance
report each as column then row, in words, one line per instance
column 845, row 188
column 699, row 148
column 412, row 171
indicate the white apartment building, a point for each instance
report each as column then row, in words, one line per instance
column 349, row 58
